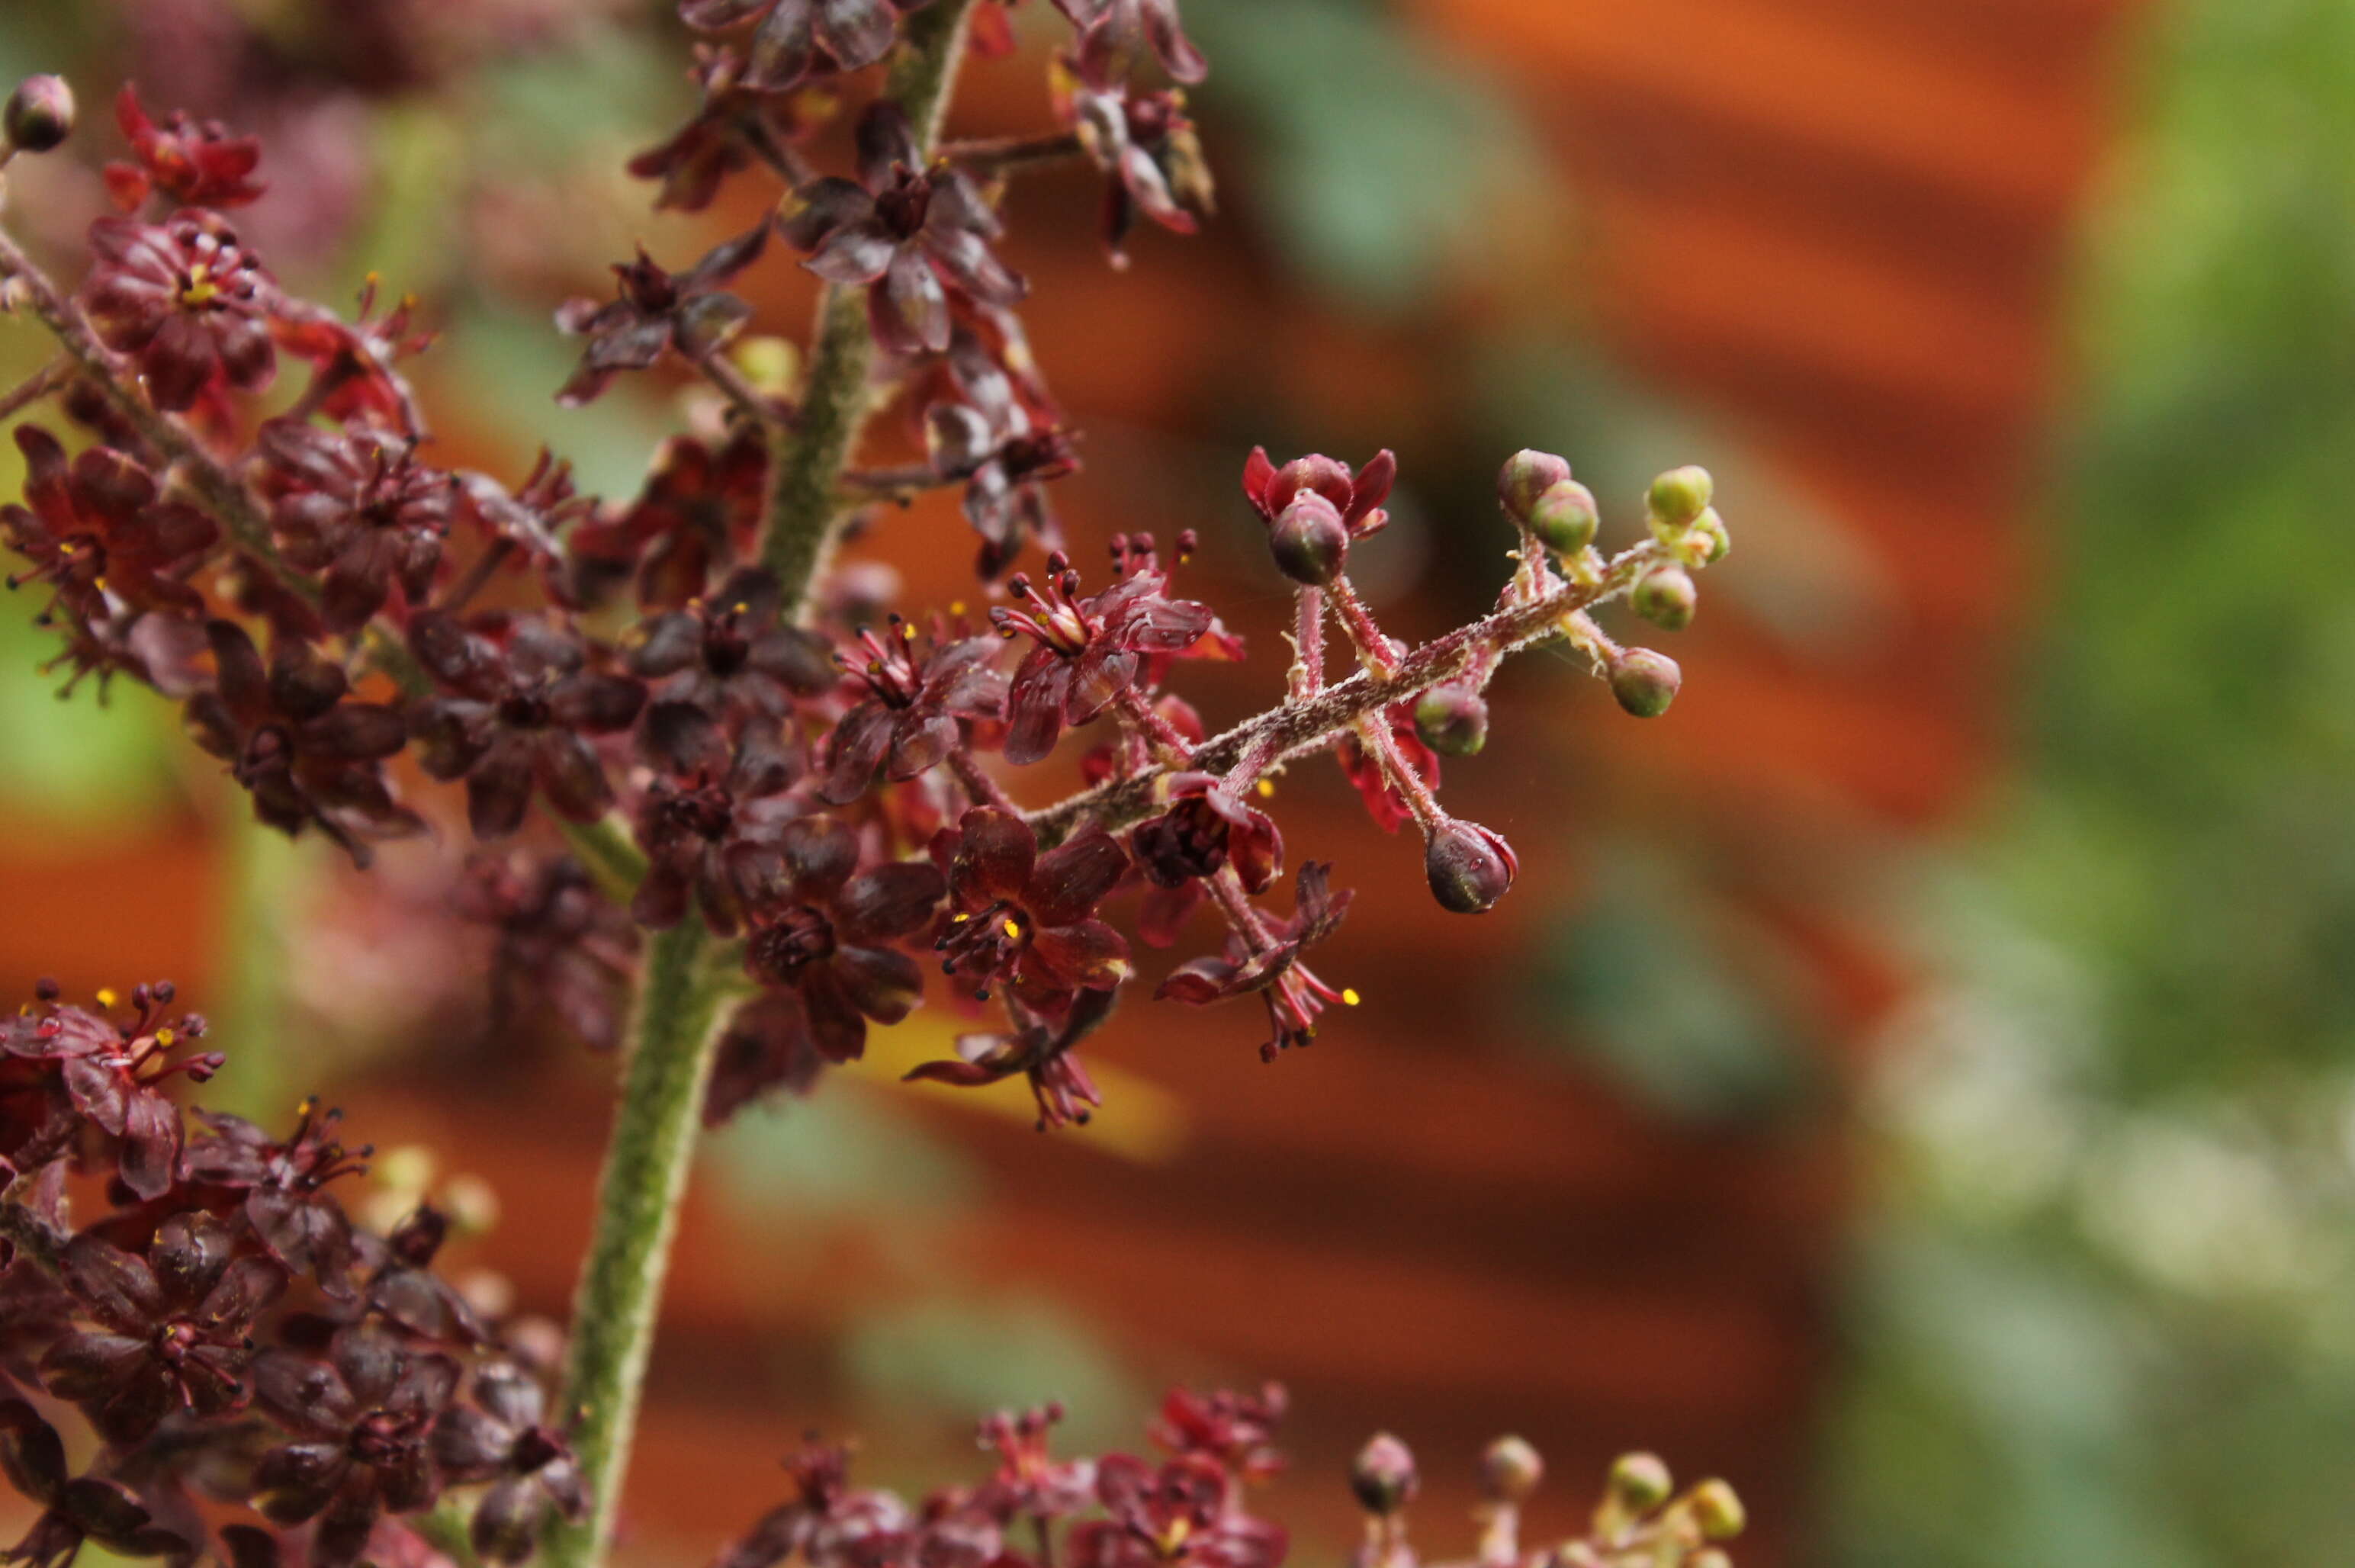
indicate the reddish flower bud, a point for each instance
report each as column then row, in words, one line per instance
column 1639, row 1482
column 1310, row 541
column 39, row 116
column 1679, row 496
column 1666, row 597
column 1565, row 517
column 1511, row 1470
column 1645, row 682
column 1453, row 721
column 1526, row 476
column 1469, row 868
column 1383, row 1475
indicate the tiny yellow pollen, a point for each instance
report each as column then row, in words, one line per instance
column 956, row 606
column 1266, row 788
column 106, row 998
column 1013, row 930
column 99, row 584
column 306, row 1104
column 165, row 1036
column 1350, row 996
column 741, row 609
column 960, row 920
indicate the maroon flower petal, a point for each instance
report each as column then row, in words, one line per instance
column 1073, row 878
column 888, row 902
column 996, row 853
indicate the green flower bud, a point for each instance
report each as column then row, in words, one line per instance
column 1666, row 597
column 1310, row 541
column 1511, row 1470
column 1564, row 518
column 1679, row 496
column 1527, row 475
column 39, row 116
column 770, row 364
column 1639, row 1482
column 1453, row 721
column 1717, row 1510
column 1645, row 682
column 1706, row 542
column 1383, row 1475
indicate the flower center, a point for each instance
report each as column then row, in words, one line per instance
column 783, row 948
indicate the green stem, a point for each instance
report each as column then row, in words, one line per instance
column 268, row 887
column 653, row 1141
column 805, row 507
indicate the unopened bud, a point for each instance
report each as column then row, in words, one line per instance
column 1679, row 496
column 1709, row 1557
column 1527, row 475
column 39, row 116
column 1564, row 518
column 1453, row 721
column 769, row 363
column 1310, row 541
column 1468, row 867
column 1717, row 1510
column 1639, row 1482
column 1383, row 1475
column 1511, row 1470
column 1666, row 597
column 1645, row 682
column 1706, row 542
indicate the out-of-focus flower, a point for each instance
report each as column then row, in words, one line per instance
column 194, row 162
column 360, row 509
column 797, row 37
column 909, row 721
column 656, row 310
column 186, row 300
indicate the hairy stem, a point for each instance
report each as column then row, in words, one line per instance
column 804, row 510
column 671, row 1043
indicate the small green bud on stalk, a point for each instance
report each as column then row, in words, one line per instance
column 1453, row 721
column 39, row 116
column 1309, row 541
column 1383, row 1475
column 1511, row 1470
column 1679, row 496
column 1639, row 1482
column 1565, row 517
column 1526, row 476
column 1706, row 542
column 1666, row 597
column 1717, row 1510
column 1645, row 682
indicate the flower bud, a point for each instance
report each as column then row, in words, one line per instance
column 1383, row 1475
column 39, row 116
column 1511, row 1470
column 1709, row 1557
column 1645, row 682
column 1679, row 496
column 1717, row 1510
column 1639, row 1482
column 1527, row 475
column 1310, row 541
column 1706, row 542
column 1468, row 867
column 1564, row 518
column 1666, row 597
column 1453, row 721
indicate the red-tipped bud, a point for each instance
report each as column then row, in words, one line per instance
column 1511, row 1470
column 39, row 116
column 1565, row 517
column 1383, row 1476
column 1310, row 541
column 1453, row 721
column 1679, row 496
column 1528, row 474
column 1468, row 867
column 1666, row 597
column 1645, row 682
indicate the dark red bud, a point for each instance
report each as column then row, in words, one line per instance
column 1468, row 867
column 1527, row 475
column 1383, row 1475
column 40, row 115
column 1453, row 721
column 1645, row 682
column 1310, row 541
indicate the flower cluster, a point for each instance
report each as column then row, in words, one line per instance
column 226, row 1329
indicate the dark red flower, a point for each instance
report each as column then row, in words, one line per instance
column 898, row 231
column 824, row 929
column 1111, row 31
column 1357, row 497
column 656, row 310
column 280, row 1188
column 1146, row 146
column 908, row 722
column 196, row 162
column 303, row 752
column 1208, row 827
column 1237, row 1430
column 170, row 1330
column 402, row 1288
column 353, row 362
column 1006, row 441
column 699, row 512
column 1383, row 802
column 1026, row 920
column 524, row 701
column 186, row 300
column 96, row 529
column 1180, row 1513
column 1270, row 964
column 695, row 828
column 797, row 37
column 73, row 1509
column 558, row 939
column 503, row 1437
column 1090, row 650
column 356, row 507
column 735, row 125
column 730, row 655
column 1030, row 1483
column 766, row 1047
column 364, row 1419
column 114, row 1073
column 1040, row 1049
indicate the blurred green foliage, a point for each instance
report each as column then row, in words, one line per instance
column 2108, row 1311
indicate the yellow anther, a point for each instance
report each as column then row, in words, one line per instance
column 306, row 1104
column 956, row 606
column 1013, row 931
column 106, row 996
column 1266, row 788
column 165, row 1036
column 909, row 633
column 741, row 609
column 1350, row 996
